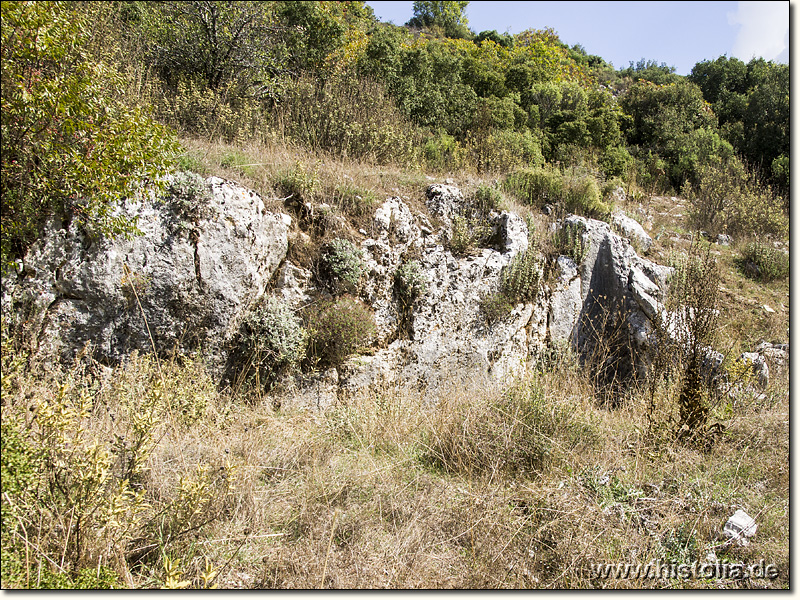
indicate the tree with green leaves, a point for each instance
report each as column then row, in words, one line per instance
column 71, row 144
column 448, row 16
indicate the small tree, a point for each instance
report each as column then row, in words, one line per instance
column 70, row 143
column 449, row 16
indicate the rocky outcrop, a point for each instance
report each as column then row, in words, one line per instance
column 207, row 257
column 619, row 293
column 183, row 283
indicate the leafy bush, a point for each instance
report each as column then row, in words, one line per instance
column 299, row 183
column 348, row 117
column 212, row 114
column 70, row 144
column 726, row 198
column 505, row 150
column 271, row 338
column 410, row 282
column 765, row 262
column 338, row 329
column 536, row 187
column 583, row 198
column 466, row 235
column 487, row 198
column 341, row 266
column 521, row 279
column 443, row 153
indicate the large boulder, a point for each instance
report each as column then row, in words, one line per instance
column 619, row 294
column 203, row 257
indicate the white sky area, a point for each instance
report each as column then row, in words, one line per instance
column 764, row 30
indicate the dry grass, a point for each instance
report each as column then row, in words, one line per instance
column 517, row 488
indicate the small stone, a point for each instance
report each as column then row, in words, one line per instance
column 724, row 240
column 768, row 309
column 739, row 527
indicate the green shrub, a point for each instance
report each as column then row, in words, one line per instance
column 568, row 241
column 466, row 235
column 505, row 150
column 410, row 282
column 299, row 183
column 212, row 114
column 583, row 198
column 341, row 266
column 765, row 262
column 347, row 117
column 337, row 329
column 271, row 338
column 496, row 306
column 727, row 198
column 488, row 198
column 615, row 162
column 443, row 153
column 522, row 278
column 536, row 187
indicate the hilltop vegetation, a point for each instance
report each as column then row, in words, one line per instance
column 80, row 79
column 149, row 473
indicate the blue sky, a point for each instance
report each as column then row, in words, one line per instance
column 680, row 34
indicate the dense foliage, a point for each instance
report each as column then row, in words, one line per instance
column 72, row 144
column 77, row 78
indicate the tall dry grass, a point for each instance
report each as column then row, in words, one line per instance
column 521, row 487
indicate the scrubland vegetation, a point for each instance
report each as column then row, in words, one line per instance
column 147, row 474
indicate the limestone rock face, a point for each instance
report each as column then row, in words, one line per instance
column 620, row 292
column 631, row 229
column 183, row 282
column 444, row 334
column 200, row 266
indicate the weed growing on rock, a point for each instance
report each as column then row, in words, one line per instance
column 338, row 329
column 410, row 282
column 341, row 266
column 522, row 278
column 568, row 240
column 271, row 339
column 496, row 306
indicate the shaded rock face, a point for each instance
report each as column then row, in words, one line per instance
column 187, row 282
column 619, row 294
column 183, row 282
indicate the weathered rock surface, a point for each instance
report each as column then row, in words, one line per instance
column 620, row 292
column 631, row 229
column 181, row 283
column 191, row 277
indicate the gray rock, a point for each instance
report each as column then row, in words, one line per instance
column 724, row 240
column 759, row 366
column 618, row 195
column 182, row 283
column 632, row 230
column 565, row 302
column 620, row 295
column 445, row 202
